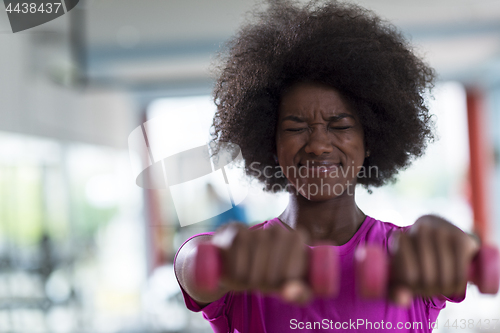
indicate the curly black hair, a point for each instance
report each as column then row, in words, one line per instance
column 337, row 44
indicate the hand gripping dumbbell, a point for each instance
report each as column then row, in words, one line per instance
column 323, row 271
column 372, row 270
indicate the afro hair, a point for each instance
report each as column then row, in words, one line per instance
column 337, row 44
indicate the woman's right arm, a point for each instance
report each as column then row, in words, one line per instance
column 184, row 270
column 271, row 260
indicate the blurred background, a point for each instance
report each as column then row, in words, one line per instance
column 83, row 248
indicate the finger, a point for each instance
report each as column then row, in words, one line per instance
column 283, row 241
column 304, row 236
column 404, row 265
column 259, row 261
column 241, row 258
column 295, row 266
column 296, row 291
column 225, row 235
column 402, row 296
column 446, row 259
column 464, row 251
column 427, row 263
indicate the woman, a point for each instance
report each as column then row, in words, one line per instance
column 320, row 98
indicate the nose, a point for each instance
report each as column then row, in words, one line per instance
column 318, row 142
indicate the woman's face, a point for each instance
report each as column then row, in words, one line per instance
column 319, row 140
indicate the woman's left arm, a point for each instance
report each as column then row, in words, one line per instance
column 432, row 258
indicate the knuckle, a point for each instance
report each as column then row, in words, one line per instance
column 422, row 231
column 441, row 235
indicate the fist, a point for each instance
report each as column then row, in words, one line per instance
column 432, row 258
column 270, row 260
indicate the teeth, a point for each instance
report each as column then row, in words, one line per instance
column 318, row 164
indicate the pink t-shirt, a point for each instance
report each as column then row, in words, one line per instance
column 252, row 312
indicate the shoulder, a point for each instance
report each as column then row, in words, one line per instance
column 389, row 226
column 381, row 232
column 194, row 240
column 383, row 227
column 267, row 224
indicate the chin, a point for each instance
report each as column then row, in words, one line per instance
column 321, row 190
column 320, row 198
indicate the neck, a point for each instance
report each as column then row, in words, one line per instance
column 335, row 220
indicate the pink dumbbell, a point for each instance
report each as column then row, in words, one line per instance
column 323, row 274
column 372, row 271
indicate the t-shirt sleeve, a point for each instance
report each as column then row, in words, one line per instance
column 439, row 301
column 211, row 311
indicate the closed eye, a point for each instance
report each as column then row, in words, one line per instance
column 294, row 129
column 341, row 127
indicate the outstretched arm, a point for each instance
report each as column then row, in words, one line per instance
column 270, row 261
column 184, row 270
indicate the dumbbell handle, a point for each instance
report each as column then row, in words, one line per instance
column 323, row 272
column 372, row 271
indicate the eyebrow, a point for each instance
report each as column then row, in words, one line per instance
column 336, row 117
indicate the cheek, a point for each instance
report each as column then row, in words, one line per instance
column 355, row 144
column 286, row 154
column 285, row 150
column 286, row 162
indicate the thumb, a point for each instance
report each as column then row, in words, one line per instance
column 401, row 295
column 304, row 235
column 296, row 291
